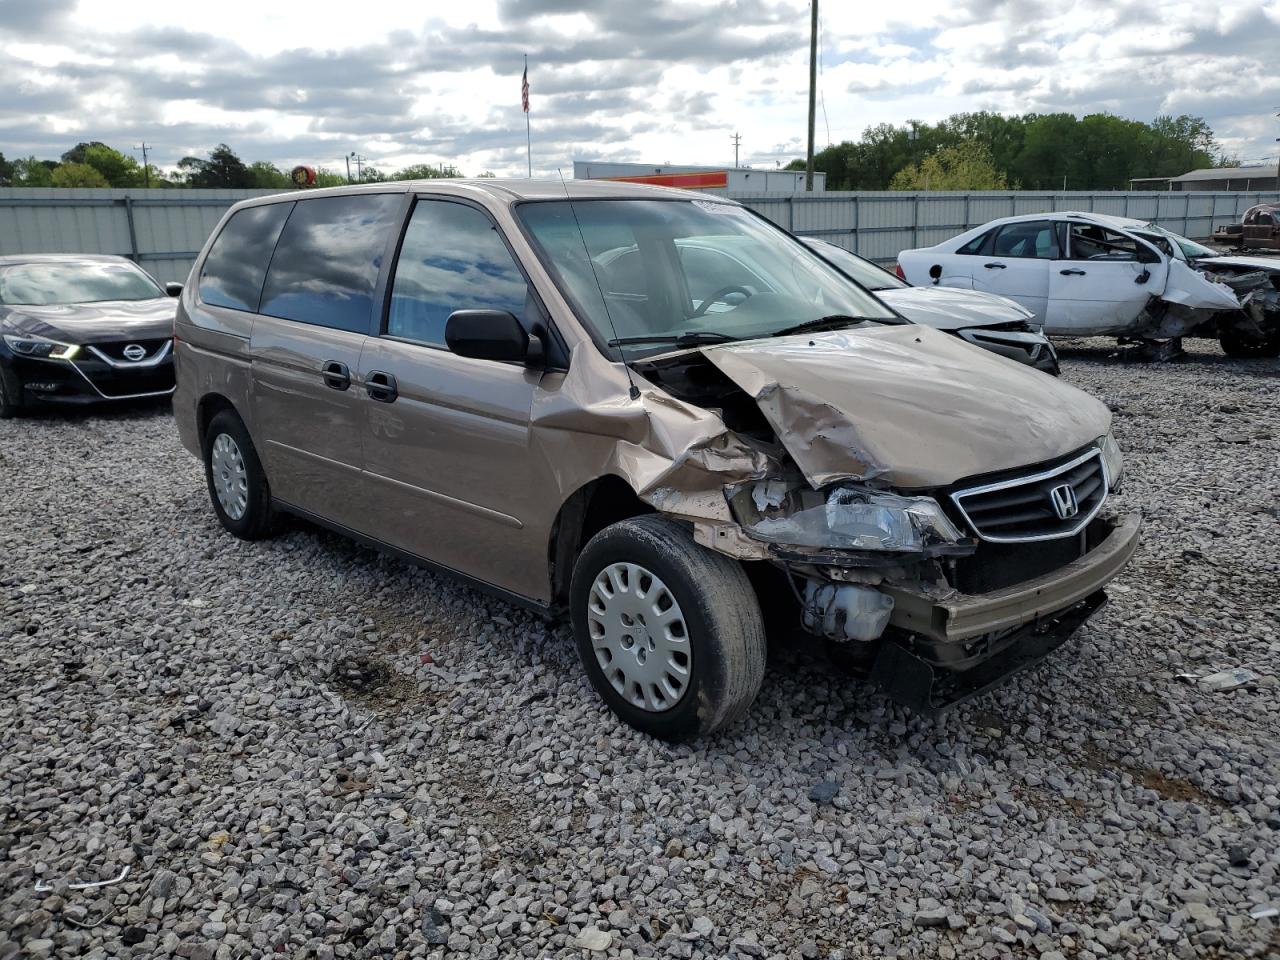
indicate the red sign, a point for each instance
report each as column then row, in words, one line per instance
column 690, row 181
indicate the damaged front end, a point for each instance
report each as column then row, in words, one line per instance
column 937, row 588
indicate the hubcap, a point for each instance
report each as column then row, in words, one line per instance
column 230, row 476
column 639, row 637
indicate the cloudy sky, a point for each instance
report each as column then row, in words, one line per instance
column 652, row 80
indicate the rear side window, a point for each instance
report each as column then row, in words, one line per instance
column 233, row 271
column 325, row 268
column 452, row 259
column 1028, row 239
column 974, row 247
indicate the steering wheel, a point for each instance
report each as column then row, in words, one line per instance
column 719, row 295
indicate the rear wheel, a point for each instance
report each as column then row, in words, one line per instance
column 669, row 632
column 237, row 483
column 1242, row 347
column 10, row 394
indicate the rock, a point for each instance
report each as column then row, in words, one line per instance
column 824, row 792
column 593, row 938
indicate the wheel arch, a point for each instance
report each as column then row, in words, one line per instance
column 209, row 406
column 584, row 513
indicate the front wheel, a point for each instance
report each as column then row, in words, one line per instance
column 670, row 633
column 1241, row 347
column 237, row 483
column 10, row 394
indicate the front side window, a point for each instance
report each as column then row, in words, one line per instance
column 628, row 267
column 83, row 281
column 233, row 271
column 1034, row 239
column 1088, row 241
column 451, row 259
column 325, row 268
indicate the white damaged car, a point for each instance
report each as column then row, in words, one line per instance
column 1088, row 274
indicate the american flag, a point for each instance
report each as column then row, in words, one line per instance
column 524, row 89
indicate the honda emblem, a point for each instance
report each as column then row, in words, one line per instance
column 1064, row 501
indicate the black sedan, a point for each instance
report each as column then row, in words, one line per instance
column 77, row 328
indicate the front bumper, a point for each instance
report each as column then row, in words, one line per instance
column 1033, row 349
column 945, row 622
column 89, row 379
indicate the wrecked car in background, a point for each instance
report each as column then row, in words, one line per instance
column 580, row 398
column 1258, row 229
column 994, row 323
column 1086, row 274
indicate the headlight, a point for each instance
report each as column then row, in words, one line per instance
column 845, row 518
column 40, row 348
column 1112, row 460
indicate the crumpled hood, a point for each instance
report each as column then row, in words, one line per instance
column 93, row 322
column 950, row 308
column 907, row 405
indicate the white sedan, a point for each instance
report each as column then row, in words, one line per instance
column 1087, row 274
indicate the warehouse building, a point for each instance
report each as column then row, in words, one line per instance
column 711, row 179
column 1259, row 177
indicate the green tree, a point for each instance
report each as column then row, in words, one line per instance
column 222, row 168
column 267, row 176
column 118, row 169
column 425, row 171
column 963, row 166
column 77, row 175
column 329, row 178
column 31, row 172
column 6, row 171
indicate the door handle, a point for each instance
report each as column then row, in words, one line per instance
column 381, row 386
column 336, row 375
column 995, row 266
column 1072, row 272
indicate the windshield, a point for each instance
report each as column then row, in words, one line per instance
column 863, row 271
column 661, row 270
column 83, row 281
column 1189, row 249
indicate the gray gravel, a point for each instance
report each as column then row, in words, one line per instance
column 301, row 748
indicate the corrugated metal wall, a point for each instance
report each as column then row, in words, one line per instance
column 879, row 224
column 163, row 230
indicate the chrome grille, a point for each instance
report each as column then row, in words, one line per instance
column 1053, row 503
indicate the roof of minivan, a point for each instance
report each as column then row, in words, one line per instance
column 14, row 258
column 510, row 190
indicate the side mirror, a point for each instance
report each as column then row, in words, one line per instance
column 173, row 288
column 935, row 273
column 491, row 335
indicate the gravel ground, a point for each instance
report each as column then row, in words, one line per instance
column 303, row 748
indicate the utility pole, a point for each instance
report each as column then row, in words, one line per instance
column 348, row 159
column 359, row 161
column 737, row 140
column 813, row 87
column 146, row 170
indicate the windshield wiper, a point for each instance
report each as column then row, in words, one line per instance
column 833, row 322
column 693, row 339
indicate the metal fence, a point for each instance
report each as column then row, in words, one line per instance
column 879, row 224
column 163, row 230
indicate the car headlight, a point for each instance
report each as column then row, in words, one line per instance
column 1112, row 460
column 848, row 517
column 40, row 348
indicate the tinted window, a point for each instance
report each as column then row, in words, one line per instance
column 1033, row 238
column 863, row 271
column 237, row 263
column 325, row 269
column 452, row 259
column 88, row 281
column 974, row 246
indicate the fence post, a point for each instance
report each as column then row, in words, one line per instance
column 133, row 233
column 791, row 214
column 856, row 217
column 915, row 220
column 966, row 211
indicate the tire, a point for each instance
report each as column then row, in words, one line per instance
column 10, row 395
column 254, row 520
column 723, row 645
column 1241, row 347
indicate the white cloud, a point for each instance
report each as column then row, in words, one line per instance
column 661, row 80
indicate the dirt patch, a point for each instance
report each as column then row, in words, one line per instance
column 1170, row 788
column 371, row 683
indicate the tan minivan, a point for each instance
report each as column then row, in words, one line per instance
column 655, row 413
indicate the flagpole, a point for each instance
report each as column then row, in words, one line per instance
column 528, row 136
